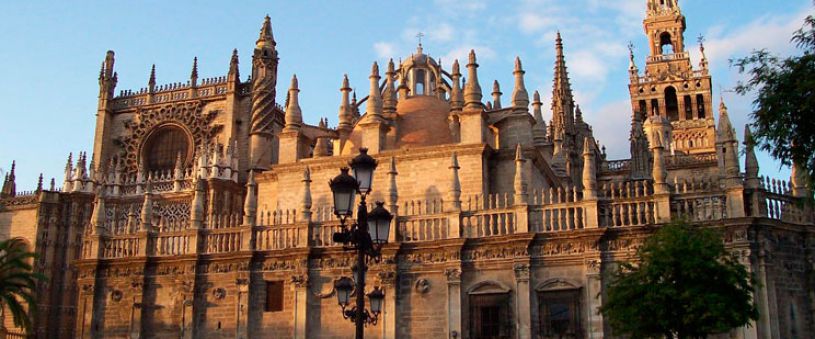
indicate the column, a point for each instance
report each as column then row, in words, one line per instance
column 299, row 287
column 387, row 282
column 242, row 311
column 523, row 309
column 453, row 302
column 594, row 299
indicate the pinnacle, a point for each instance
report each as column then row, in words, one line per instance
column 472, row 56
column 294, row 82
column 518, row 67
column 375, row 70
column 456, row 69
column 536, row 97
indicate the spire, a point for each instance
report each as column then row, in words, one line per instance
column 194, row 73
column 520, row 183
column 472, row 90
column 234, row 70
column 562, row 100
column 496, row 95
column 456, row 97
column 294, row 116
column 374, row 104
column 346, row 114
column 9, row 186
column 632, row 66
column 266, row 39
column 389, row 100
column 39, row 183
column 454, row 195
column 725, row 131
column 151, row 83
column 702, row 63
column 520, row 97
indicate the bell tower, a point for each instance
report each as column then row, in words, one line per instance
column 671, row 87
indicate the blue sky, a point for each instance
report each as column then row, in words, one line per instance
column 51, row 53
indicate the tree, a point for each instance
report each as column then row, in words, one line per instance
column 18, row 282
column 684, row 285
column 785, row 100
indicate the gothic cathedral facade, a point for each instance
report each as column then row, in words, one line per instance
column 203, row 209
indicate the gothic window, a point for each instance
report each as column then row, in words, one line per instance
column 654, row 107
column 665, row 43
column 643, row 111
column 489, row 316
column 688, row 108
column 671, row 104
column 420, row 82
column 700, row 105
column 560, row 313
column 274, row 296
column 163, row 147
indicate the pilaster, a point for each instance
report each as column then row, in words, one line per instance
column 299, row 287
column 523, row 321
column 387, row 281
column 453, row 302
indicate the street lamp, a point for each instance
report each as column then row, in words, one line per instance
column 356, row 236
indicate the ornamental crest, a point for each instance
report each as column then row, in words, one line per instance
column 187, row 114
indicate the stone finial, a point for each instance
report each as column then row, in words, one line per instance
column 389, row 94
column 799, row 180
column 98, row 215
column 520, row 182
column 454, row 195
column 198, row 198
column 147, row 209
column 751, row 167
column 589, row 169
column 472, row 90
column 496, row 95
column 725, row 131
column 39, row 183
column 294, row 115
column 250, row 204
column 393, row 192
column 658, row 170
column 539, row 130
column 374, row 104
column 266, row 38
column 520, row 97
column 456, row 96
column 151, row 83
column 346, row 112
column 306, row 202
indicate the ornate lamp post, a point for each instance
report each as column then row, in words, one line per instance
column 366, row 236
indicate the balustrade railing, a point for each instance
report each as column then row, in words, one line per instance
column 488, row 223
column 322, row 234
column 423, row 228
column 557, row 217
column 173, row 244
column 222, row 241
column 121, row 247
column 280, row 237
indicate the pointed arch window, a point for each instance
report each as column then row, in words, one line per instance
column 163, row 146
column 666, row 44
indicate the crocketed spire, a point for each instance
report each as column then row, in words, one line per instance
column 266, row 38
column 562, row 99
column 374, row 104
column 456, row 96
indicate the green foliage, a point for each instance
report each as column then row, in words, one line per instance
column 785, row 99
column 686, row 284
column 18, row 282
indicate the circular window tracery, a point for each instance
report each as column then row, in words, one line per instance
column 163, row 147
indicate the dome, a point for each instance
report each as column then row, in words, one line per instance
column 422, row 121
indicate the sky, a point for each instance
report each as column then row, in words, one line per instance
column 51, row 52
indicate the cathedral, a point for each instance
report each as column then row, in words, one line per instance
column 203, row 209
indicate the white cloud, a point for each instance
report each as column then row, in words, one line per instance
column 587, row 65
column 384, row 49
column 770, row 32
column 611, row 126
column 462, row 53
column 461, row 6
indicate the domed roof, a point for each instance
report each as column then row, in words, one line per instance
column 422, row 122
column 419, row 59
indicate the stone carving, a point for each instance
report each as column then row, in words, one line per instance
column 116, row 295
column 172, row 215
column 300, row 280
column 422, row 286
column 521, row 272
column 593, row 266
column 453, row 275
column 386, row 277
column 219, row 293
column 187, row 114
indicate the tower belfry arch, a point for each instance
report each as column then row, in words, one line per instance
column 671, row 88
